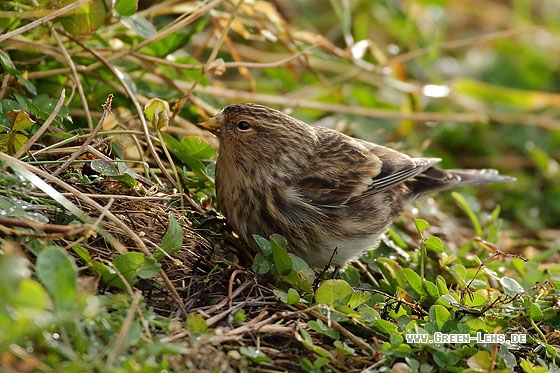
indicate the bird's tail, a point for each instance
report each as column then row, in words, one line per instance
column 436, row 179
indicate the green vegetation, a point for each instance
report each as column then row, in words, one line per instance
column 114, row 257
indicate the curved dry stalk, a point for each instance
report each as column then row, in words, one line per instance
column 208, row 62
column 75, row 155
column 120, row 197
column 43, row 127
column 143, row 122
column 20, row 167
column 228, row 65
column 238, row 95
column 74, row 72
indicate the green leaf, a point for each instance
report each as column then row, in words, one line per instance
column 386, row 327
column 421, row 225
column 282, row 260
column 131, row 266
column 412, row 280
column 480, row 362
column 104, row 167
column 239, row 317
column 499, row 95
column 344, row 348
column 191, row 151
column 149, row 269
column 172, row 241
column 141, row 26
column 281, row 295
column 157, row 111
column 126, row 7
column 351, row 275
column 119, row 171
column 459, row 272
column 441, row 285
column 253, row 354
column 541, row 158
column 58, row 273
column 368, row 314
column 511, row 287
column 449, row 300
column 333, row 292
column 9, row 67
column 535, row 312
column 320, row 327
column 87, row 18
column 445, row 359
column 475, row 300
column 197, row 148
column 318, row 350
column 463, row 204
column 439, row 315
column 431, row 289
column 434, row 244
column 507, row 357
column 196, row 324
column 358, row 298
column 19, row 120
column 396, row 340
column 174, row 41
column 264, row 244
column 260, row 265
column 389, row 269
column 7, row 63
column 397, row 239
column 30, row 295
column 14, row 269
column 293, row 296
column 19, row 141
column 82, row 253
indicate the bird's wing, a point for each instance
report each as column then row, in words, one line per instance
column 343, row 168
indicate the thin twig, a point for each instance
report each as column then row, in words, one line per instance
column 119, row 197
column 29, row 143
column 143, row 122
column 208, row 62
column 65, row 230
column 228, row 65
column 74, row 156
column 20, row 166
column 75, row 75
column 239, row 95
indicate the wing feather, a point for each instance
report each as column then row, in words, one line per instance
column 345, row 168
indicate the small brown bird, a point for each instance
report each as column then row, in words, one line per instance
column 317, row 187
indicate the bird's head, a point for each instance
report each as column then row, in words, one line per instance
column 256, row 132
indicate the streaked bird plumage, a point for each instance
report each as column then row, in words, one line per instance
column 317, row 187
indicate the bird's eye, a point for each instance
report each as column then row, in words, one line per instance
column 243, row 125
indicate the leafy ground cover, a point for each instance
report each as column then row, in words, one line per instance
column 115, row 258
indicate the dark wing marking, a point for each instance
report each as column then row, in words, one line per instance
column 339, row 169
column 387, row 180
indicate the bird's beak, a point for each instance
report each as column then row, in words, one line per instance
column 212, row 125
